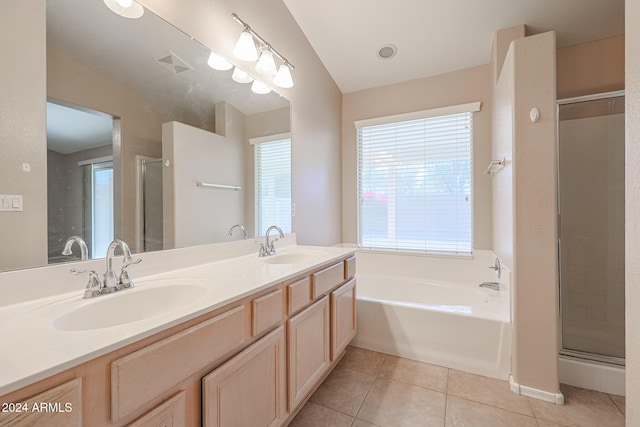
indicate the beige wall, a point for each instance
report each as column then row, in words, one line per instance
column 315, row 100
column 589, row 68
column 459, row 87
column 201, row 215
column 23, row 136
column 525, row 193
column 632, row 185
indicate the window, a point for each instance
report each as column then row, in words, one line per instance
column 273, row 184
column 415, row 181
column 101, row 208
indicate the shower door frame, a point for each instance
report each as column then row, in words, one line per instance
column 583, row 355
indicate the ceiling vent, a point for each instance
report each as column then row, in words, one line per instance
column 387, row 51
column 173, row 64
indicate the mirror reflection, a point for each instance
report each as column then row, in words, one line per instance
column 135, row 120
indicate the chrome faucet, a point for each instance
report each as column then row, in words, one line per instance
column 84, row 251
column 244, row 230
column 267, row 248
column 112, row 282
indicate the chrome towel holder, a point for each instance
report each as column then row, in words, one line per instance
column 495, row 166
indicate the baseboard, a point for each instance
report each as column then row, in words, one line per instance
column 557, row 398
column 592, row 375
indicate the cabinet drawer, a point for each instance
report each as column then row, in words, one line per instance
column 148, row 373
column 169, row 413
column 266, row 311
column 298, row 295
column 349, row 268
column 327, row 279
column 68, row 410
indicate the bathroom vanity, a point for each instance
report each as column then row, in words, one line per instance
column 255, row 338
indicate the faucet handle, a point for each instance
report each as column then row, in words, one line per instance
column 94, row 286
column 263, row 250
column 125, row 278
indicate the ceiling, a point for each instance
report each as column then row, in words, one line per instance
column 436, row 36
column 70, row 129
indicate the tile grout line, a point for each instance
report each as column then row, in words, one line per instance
column 446, row 398
column 616, row 405
column 375, row 378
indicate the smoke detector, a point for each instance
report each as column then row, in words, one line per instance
column 387, row 51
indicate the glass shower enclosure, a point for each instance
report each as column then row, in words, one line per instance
column 591, row 226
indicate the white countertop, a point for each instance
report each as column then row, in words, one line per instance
column 32, row 349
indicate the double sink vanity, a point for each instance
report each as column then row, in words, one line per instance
column 239, row 340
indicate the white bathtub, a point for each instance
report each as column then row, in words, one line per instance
column 432, row 309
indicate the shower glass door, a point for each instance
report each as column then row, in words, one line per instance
column 591, row 227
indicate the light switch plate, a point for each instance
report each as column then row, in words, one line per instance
column 11, row 203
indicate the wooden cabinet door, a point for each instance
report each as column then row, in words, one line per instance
column 249, row 389
column 343, row 317
column 309, row 352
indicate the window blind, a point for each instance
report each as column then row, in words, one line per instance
column 415, row 185
column 273, row 185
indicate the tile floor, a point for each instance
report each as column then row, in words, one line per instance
column 369, row 389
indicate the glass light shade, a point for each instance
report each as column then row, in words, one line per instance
column 283, row 77
column 133, row 11
column 260, row 88
column 266, row 64
column 217, row 62
column 125, row 3
column 245, row 48
column 241, row 76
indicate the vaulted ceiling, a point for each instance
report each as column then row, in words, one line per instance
column 436, row 36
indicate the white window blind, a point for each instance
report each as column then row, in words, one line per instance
column 273, row 185
column 415, row 185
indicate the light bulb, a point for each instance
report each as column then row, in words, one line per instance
column 283, row 77
column 241, row 76
column 245, row 48
column 266, row 64
column 217, row 62
column 125, row 8
column 260, row 88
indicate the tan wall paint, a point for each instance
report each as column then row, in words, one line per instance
column 535, row 269
column 459, row 87
column 501, row 42
column 23, row 138
column 590, row 68
column 632, row 188
column 315, row 99
column 525, row 193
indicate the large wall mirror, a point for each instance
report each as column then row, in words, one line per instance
column 136, row 119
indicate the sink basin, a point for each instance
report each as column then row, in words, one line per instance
column 128, row 306
column 293, row 258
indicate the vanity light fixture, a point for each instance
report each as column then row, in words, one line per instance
column 217, row 62
column 283, row 76
column 266, row 64
column 245, row 48
column 241, row 76
column 125, row 8
column 260, row 88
